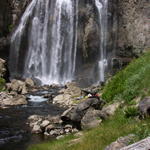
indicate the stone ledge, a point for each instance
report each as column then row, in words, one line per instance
column 141, row 145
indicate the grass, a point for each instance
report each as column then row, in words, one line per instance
column 131, row 111
column 131, row 82
column 2, row 84
column 98, row 138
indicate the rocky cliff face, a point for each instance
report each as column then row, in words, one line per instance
column 10, row 12
column 133, row 27
column 128, row 28
column 5, row 22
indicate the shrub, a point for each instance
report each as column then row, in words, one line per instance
column 131, row 112
column 2, row 84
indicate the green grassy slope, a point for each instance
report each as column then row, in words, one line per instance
column 131, row 82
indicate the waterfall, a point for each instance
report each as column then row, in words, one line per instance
column 101, row 6
column 48, row 29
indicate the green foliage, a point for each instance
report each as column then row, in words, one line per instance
column 131, row 112
column 131, row 82
column 2, row 84
column 10, row 28
column 142, row 131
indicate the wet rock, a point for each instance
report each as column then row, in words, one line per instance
column 68, row 126
column 144, row 107
column 49, row 128
column 60, row 137
column 7, row 99
column 64, row 99
column 29, row 82
column 17, row 86
column 120, row 143
column 34, row 118
column 54, row 119
column 44, row 123
column 73, row 89
column 36, row 129
column 19, row 100
column 75, row 114
column 55, row 132
column 66, row 96
column 91, row 119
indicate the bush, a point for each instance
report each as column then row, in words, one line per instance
column 2, row 84
column 131, row 112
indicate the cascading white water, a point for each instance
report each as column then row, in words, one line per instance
column 101, row 6
column 50, row 54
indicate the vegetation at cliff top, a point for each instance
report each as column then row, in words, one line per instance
column 98, row 138
column 131, row 82
column 2, row 84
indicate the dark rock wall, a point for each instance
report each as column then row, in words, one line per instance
column 10, row 13
column 5, row 22
column 133, row 27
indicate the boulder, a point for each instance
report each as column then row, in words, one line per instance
column 120, row 143
column 109, row 110
column 63, row 99
column 67, row 95
column 45, row 123
column 34, row 118
column 75, row 114
column 19, row 100
column 36, row 129
column 91, row 119
column 2, row 67
column 29, row 82
column 49, row 128
column 17, row 86
column 141, row 145
column 144, row 107
column 7, row 99
column 73, row 89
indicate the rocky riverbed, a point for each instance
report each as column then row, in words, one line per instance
column 15, row 132
column 30, row 113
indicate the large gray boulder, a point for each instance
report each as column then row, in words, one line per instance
column 29, row 82
column 6, row 99
column 144, row 107
column 109, row 110
column 67, row 95
column 75, row 114
column 141, row 145
column 91, row 119
column 120, row 143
